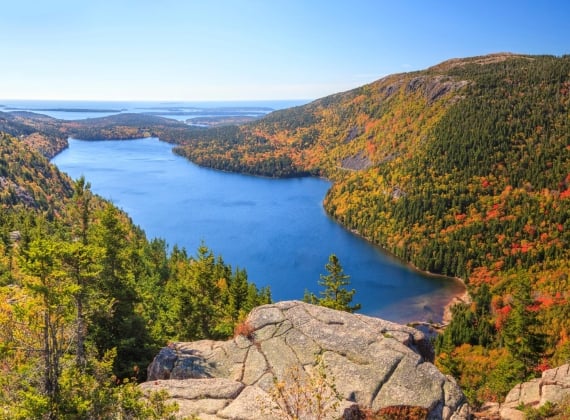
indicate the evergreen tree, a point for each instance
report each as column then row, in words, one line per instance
column 521, row 333
column 118, row 324
column 335, row 294
column 80, row 258
column 238, row 294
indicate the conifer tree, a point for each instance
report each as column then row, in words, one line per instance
column 521, row 336
column 118, row 324
column 335, row 294
column 80, row 259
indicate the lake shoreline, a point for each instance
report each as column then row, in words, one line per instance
column 459, row 297
column 447, row 312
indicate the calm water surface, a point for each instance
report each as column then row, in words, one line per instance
column 276, row 229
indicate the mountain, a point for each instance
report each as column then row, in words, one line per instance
column 353, row 130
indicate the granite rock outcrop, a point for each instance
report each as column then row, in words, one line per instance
column 355, row 361
column 553, row 386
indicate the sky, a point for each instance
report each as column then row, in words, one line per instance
column 205, row 50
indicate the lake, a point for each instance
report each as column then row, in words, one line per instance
column 274, row 228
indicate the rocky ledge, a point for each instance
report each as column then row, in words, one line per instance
column 295, row 356
column 553, row 387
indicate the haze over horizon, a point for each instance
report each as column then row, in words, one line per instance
column 251, row 50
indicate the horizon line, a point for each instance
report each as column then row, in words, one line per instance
column 158, row 100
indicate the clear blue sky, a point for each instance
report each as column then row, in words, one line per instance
column 252, row 49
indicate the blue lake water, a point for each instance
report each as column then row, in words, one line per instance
column 276, row 229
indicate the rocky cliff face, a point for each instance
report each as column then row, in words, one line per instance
column 292, row 355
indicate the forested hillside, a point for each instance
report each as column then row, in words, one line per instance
column 27, row 180
column 86, row 300
column 38, row 131
column 462, row 169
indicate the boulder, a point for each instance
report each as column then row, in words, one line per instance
column 553, row 386
column 322, row 359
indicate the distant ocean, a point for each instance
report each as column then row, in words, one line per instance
column 181, row 111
